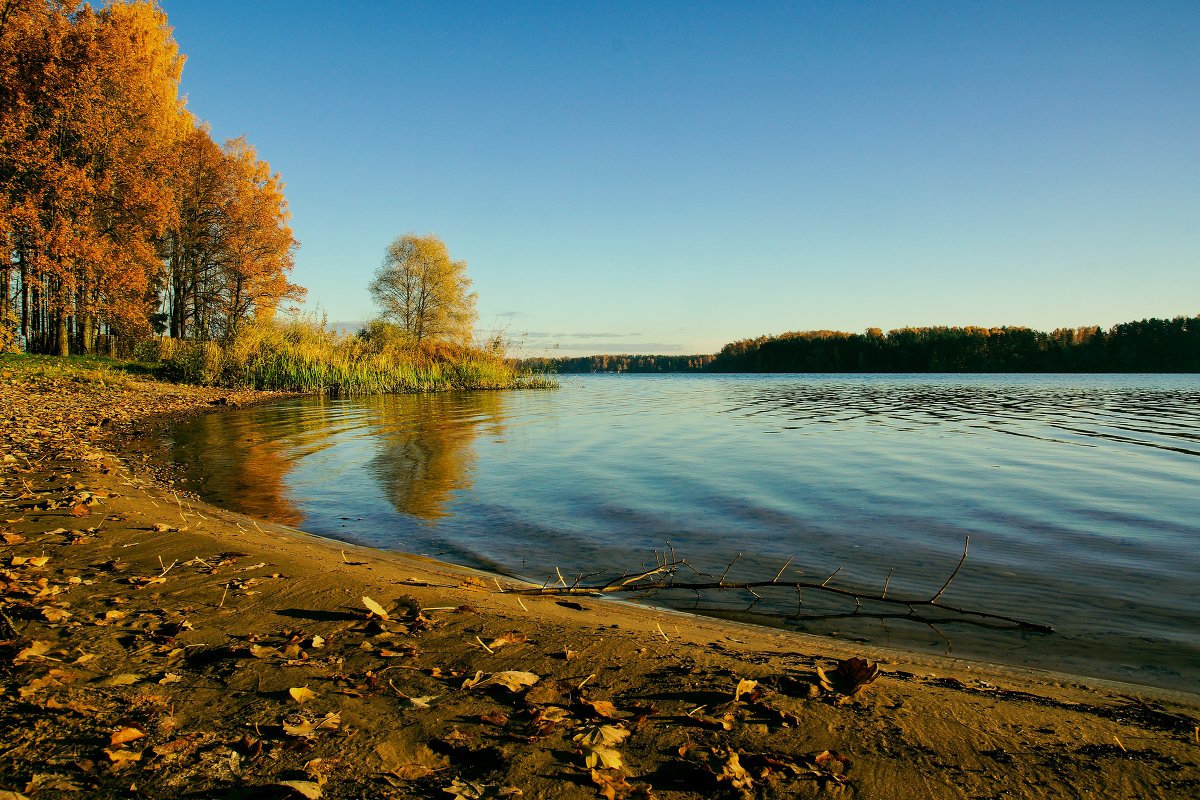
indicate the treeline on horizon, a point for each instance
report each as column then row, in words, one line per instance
column 1150, row 345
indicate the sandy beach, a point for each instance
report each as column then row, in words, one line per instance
column 155, row 646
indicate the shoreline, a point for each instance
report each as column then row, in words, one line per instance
column 201, row 653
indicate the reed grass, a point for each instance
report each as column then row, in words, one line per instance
column 303, row 356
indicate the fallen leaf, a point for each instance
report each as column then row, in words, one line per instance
column 746, row 686
column 43, row 781
column 308, row 789
column 512, row 680
column 850, row 676
column 547, row 719
column 601, row 708
column 600, row 735
column 318, row 642
column 512, row 637
column 124, row 679
column 600, row 756
column 307, row 727
column 375, row 608
column 80, row 510
column 118, row 755
column 55, row 614
column 302, row 694
column 733, row 771
column 611, row 785
column 124, row 736
column 262, row 651
column 493, row 718
column 34, row 650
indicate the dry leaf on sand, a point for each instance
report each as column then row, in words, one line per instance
column 125, row 735
column 611, row 785
column 600, row 735
column 601, row 708
column 850, row 676
column 512, row 680
column 302, row 694
column 512, row 637
column 603, row 757
column 375, row 608
column 746, row 686
column 308, row 789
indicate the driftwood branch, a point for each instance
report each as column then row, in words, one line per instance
column 662, row 577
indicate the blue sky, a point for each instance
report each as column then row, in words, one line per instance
column 668, row 177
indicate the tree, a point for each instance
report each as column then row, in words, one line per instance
column 420, row 289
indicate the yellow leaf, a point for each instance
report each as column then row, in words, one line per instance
column 125, row 735
column 302, row 694
column 600, row 736
column 115, row 755
column 604, row 757
column 745, row 686
column 375, row 608
column 308, row 789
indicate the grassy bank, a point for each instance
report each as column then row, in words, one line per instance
column 302, row 356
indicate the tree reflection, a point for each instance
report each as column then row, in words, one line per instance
column 425, row 446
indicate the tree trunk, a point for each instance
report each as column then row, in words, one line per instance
column 86, row 341
column 62, row 334
column 24, row 295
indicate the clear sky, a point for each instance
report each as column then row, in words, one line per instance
column 667, row 177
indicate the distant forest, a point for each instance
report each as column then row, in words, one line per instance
column 1151, row 345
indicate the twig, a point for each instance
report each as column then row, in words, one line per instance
column 660, row 632
column 662, row 578
column 484, row 646
column 786, row 564
column 966, row 543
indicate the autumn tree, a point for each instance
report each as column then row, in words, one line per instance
column 114, row 202
column 231, row 249
column 426, row 294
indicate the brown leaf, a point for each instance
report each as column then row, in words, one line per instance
column 611, row 785
column 601, row 708
column 493, row 718
column 512, row 637
column 36, row 650
column 850, row 676
column 80, row 510
column 55, row 614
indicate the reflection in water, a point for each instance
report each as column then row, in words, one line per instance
column 424, row 448
column 1079, row 493
column 275, row 461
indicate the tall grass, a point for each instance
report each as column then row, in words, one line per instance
column 303, row 356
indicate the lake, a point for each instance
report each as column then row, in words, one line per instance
column 1080, row 494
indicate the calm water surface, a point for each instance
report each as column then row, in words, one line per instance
column 1080, row 494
